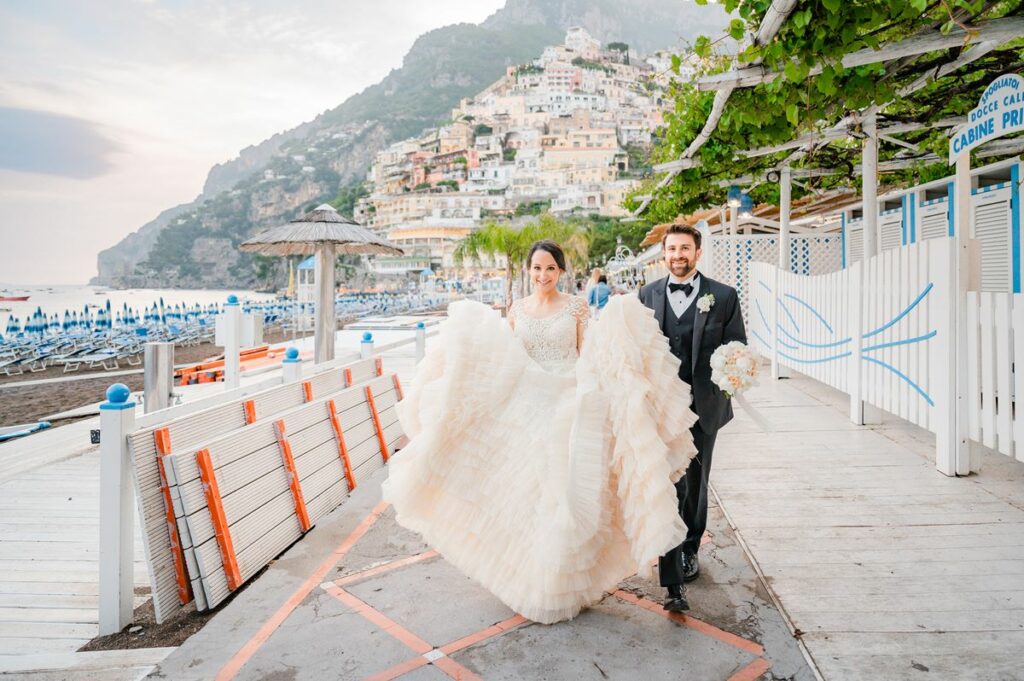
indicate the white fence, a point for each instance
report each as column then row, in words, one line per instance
column 883, row 332
column 992, row 383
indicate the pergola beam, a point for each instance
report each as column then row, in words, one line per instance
column 770, row 25
column 995, row 31
column 849, row 123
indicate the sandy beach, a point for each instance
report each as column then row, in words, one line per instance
column 39, row 401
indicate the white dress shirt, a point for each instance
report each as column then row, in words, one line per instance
column 679, row 301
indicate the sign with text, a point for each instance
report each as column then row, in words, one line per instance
column 1000, row 111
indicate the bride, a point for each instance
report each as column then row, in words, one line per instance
column 542, row 457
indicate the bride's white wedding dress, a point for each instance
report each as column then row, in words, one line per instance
column 545, row 476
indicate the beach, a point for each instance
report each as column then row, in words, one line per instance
column 39, row 401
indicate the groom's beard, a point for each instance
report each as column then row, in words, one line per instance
column 681, row 270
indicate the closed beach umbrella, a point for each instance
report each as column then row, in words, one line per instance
column 326, row 233
column 13, row 327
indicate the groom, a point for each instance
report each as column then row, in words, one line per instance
column 697, row 315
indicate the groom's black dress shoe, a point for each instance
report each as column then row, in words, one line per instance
column 691, row 567
column 676, row 601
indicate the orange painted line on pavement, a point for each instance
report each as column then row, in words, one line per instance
column 455, row 670
column 752, row 671
column 307, row 391
column 387, row 567
column 692, row 623
column 293, row 476
column 483, row 634
column 246, row 652
column 220, row 522
column 376, row 423
column 332, row 414
column 383, row 622
column 399, row 669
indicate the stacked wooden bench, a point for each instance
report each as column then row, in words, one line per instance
column 223, row 491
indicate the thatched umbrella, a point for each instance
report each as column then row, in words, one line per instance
column 326, row 233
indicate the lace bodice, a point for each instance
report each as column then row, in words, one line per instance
column 551, row 340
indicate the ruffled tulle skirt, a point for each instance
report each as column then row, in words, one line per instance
column 548, row 485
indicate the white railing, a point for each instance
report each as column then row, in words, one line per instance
column 881, row 331
column 993, row 351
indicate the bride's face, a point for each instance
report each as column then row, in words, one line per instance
column 544, row 272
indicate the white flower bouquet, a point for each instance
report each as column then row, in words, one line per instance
column 734, row 368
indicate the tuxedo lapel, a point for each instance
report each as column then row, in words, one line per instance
column 658, row 300
column 698, row 323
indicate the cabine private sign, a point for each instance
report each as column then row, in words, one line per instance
column 1000, row 111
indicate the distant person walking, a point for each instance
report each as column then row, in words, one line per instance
column 599, row 294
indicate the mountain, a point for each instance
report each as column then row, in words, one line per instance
column 194, row 245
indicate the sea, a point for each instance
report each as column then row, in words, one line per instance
column 57, row 299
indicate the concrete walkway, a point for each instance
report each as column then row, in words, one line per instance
column 361, row 598
column 885, row 567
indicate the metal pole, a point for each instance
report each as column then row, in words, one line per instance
column 869, row 186
column 117, row 512
column 158, row 375
column 232, row 345
column 785, row 205
column 323, row 337
column 734, row 221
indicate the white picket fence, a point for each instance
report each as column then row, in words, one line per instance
column 993, row 385
column 882, row 331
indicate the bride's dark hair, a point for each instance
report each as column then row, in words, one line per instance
column 549, row 247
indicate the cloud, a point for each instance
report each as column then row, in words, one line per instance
column 52, row 144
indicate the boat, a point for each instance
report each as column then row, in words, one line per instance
column 11, row 432
column 14, row 299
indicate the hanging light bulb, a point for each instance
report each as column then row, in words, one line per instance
column 746, row 206
column 733, row 197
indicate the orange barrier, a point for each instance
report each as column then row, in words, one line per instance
column 249, row 358
column 163, row 448
column 293, row 477
column 376, row 423
column 332, row 411
column 220, row 522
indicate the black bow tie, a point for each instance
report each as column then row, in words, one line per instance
column 685, row 288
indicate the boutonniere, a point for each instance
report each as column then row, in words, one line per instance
column 705, row 302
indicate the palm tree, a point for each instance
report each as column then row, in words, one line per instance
column 495, row 239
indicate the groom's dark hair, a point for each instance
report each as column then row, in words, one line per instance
column 682, row 229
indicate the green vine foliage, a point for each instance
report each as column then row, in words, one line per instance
column 821, row 33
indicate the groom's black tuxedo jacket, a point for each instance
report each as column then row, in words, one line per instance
column 723, row 323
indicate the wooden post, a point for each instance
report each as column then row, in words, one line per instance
column 232, row 343
column 117, row 512
column 855, row 377
column 785, row 203
column 869, row 186
column 421, row 341
column 953, row 457
column 366, row 346
column 323, row 335
column 291, row 366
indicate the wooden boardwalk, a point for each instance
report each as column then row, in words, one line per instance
column 49, row 554
column 889, row 569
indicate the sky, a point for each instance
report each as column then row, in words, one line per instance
column 112, row 111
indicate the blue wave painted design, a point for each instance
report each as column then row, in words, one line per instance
column 903, row 376
column 756, row 335
column 815, row 361
column 764, row 286
column 812, row 310
column 905, row 341
column 792, row 319
column 901, row 315
column 833, row 344
column 760, row 311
